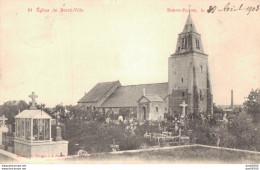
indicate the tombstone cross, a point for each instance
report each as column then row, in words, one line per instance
column 183, row 105
column 33, row 96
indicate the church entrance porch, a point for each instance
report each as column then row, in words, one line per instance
column 151, row 107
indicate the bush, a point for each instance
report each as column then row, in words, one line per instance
column 146, row 127
column 113, row 116
column 96, row 137
column 100, row 117
column 130, row 143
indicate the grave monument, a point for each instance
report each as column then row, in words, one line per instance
column 33, row 134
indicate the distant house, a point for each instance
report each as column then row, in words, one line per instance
column 228, row 108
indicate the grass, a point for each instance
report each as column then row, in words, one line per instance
column 195, row 154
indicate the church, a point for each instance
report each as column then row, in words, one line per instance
column 188, row 90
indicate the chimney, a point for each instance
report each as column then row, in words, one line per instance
column 143, row 91
column 232, row 102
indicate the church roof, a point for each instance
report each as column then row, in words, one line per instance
column 152, row 98
column 189, row 26
column 127, row 96
column 36, row 114
column 97, row 92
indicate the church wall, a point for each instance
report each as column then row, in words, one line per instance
column 131, row 111
column 154, row 115
column 179, row 74
column 200, row 62
column 201, row 69
column 209, row 94
column 176, row 99
column 203, row 102
column 167, row 104
column 108, row 93
column 115, row 110
column 178, row 77
column 87, row 106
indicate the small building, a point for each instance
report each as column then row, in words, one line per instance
column 33, row 134
column 151, row 107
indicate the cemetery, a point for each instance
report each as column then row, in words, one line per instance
column 169, row 122
column 60, row 134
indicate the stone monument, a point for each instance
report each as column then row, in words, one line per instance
column 183, row 115
column 3, row 129
column 33, row 134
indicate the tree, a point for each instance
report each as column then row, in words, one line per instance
column 11, row 108
column 243, row 130
column 217, row 109
column 252, row 104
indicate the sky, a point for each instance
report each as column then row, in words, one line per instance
column 62, row 55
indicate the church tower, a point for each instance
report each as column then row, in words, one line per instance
column 188, row 74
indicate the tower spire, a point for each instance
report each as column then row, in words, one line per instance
column 189, row 25
column 189, row 39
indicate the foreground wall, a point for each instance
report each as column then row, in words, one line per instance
column 43, row 149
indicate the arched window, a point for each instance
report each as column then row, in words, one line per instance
column 182, row 80
column 197, row 43
column 201, row 69
column 184, row 43
column 157, row 109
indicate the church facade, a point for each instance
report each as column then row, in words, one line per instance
column 188, row 88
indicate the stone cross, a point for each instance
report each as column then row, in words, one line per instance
column 33, row 96
column 183, row 105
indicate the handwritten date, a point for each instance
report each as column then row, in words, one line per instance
column 232, row 8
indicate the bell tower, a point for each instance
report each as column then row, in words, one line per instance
column 188, row 74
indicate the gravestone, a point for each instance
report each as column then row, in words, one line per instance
column 3, row 129
column 182, row 117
